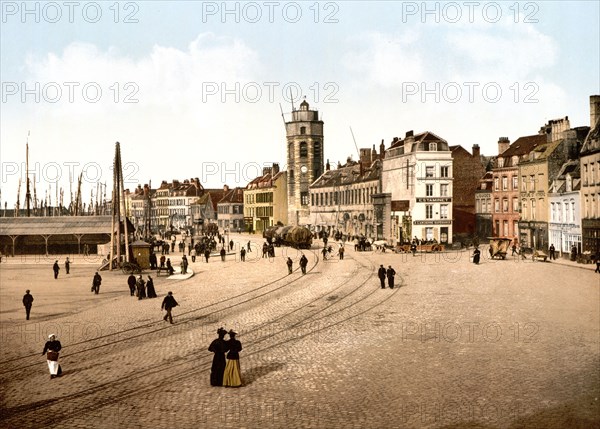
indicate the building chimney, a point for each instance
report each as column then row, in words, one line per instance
column 327, row 166
column 382, row 150
column 476, row 152
column 409, row 133
column 225, row 188
column 276, row 168
column 594, row 110
column 503, row 144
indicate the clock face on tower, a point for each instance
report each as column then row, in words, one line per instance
column 303, row 169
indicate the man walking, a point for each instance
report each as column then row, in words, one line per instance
column 56, row 269
column 290, row 264
column 303, row 263
column 243, row 254
column 168, row 304
column 390, row 276
column 67, row 265
column 27, row 301
column 131, row 283
column 96, row 283
column 382, row 273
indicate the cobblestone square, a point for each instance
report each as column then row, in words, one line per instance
column 504, row 344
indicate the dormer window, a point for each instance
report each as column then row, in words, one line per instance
column 432, row 147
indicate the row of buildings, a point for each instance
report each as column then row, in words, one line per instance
column 540, row 189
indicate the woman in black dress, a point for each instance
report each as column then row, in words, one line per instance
column 51, row 349
column 219, row 347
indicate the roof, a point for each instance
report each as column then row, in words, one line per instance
column 419, row 142
column 57, row 225
column 592, row 141
column 348, row 174
column 235, row 195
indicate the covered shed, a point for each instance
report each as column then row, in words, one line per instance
column 55, row 235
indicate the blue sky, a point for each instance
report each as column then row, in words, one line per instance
column 190, row 92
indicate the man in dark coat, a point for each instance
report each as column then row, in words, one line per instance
column 223, row 253
column 382, row 273
column 303, row 263
column 206, row 255
column 67, row 265
column 169, row 304
column 27, row 302
column 390, row 276
column 131, row 283
column 243, row 254
column 56, row 269
column 219, row 347
column 290, row 265
column 96, row 282
column 552, row 250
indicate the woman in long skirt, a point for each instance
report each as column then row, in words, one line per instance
column 219, row 348
column 51, row 349
column 232, row 376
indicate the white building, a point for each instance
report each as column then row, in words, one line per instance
column 417, row 174
column 564, row 228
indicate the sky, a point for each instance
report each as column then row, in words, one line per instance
column 197, row 89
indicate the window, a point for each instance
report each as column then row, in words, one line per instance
column 515, row 183
column 429, row 190
column 429, row 234
column 532, row 182
column 444, row 171
column 303, row 198
column 444, row 190
column 303, row 150
column 428, row 211
column 533, row 209
column 302, row 130
column 572, row 211
column 429, row 171
column 444, row 211
column 312, row 199
column 504, row 183
column 497, row 205
column 523, row 183
column 432, row 147
column 515, row 204
column 553, row 212
column 505, row 205
column 496, row 184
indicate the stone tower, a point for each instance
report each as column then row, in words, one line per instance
column 304, row 160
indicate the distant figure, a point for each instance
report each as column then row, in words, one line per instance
column 230, row 245
column 243, row 254
column 206, row 255
column 170, row 268
column 162, row 261
column 249, row 248
column 51, row 349
column 169, row 304
column 184, row 264
column 86, row 250
column 27, row 302
column 303, row 263
column 150, row 291
column 574, row 253
column 96, row 282
column 131, row 283
column 219, row 347
column 382, row 274
column 290, row 264
column 390, row 276
column 341, row 252
column 514, row 249
column 232, row 376
column 67, row 265
column 223, row 253
column 56, row 269
column 193, row 254
column 476, row 256
column 552, row 251
column 141, row 288
column 413, row 248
